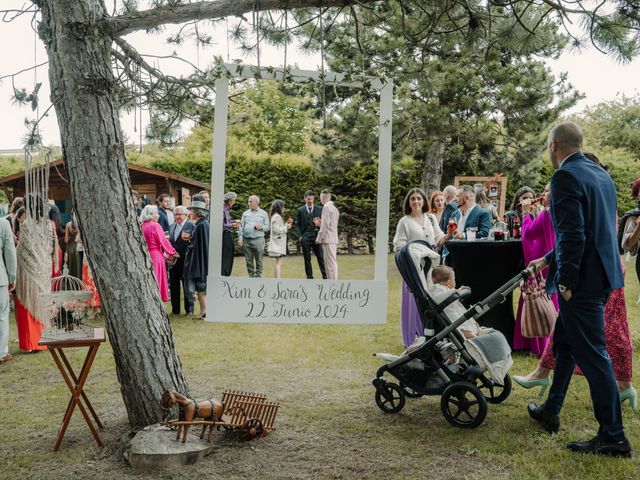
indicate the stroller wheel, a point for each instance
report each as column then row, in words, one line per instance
column 410, row 392
column 390, row 398
column 463, row 405
column 499, row 393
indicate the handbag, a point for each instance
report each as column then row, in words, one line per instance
column 538, row 312
column 171, row 260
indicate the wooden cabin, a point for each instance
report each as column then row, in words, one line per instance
column 145, row 181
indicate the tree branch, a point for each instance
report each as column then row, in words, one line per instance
column 185, row 12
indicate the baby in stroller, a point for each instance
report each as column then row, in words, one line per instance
column 492, row 352
column 444, row 284
column 456, row 355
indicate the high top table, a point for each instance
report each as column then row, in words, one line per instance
column 485, row 265
column 76, row 382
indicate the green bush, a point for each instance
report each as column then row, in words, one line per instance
column 355, row 192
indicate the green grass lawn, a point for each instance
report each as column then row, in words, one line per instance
column 328, row 426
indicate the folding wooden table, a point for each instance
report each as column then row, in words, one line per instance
column 76, row 382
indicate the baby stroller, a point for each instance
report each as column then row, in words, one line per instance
column 442, row 365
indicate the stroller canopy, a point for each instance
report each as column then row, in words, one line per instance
column 415, row 261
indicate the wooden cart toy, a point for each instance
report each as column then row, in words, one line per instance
column 248, row 412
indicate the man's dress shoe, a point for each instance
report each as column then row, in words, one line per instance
column 599, row 447
column 551, row 423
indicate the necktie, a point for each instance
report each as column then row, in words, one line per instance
column 177, row 231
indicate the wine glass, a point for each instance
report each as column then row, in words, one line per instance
column 452, row 226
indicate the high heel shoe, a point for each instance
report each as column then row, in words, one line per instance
column 540, row 382
column 631, row 395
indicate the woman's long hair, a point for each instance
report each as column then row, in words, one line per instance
column 54, row 215
column 432, row 201
column 276, row 207
column 406, row 205
column 481, row 199
column 515, row 205
column 16, row 221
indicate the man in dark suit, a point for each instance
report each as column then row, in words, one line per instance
column 450, row 193
column 166, row 216
column 176, row 277
column 470, row 214
column 307, row 225
column 584, row 267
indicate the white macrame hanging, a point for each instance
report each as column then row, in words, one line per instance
column 38, row 240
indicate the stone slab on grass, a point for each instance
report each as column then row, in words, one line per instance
column 155, row 447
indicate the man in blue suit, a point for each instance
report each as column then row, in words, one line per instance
column 471, row 214
column 584, row 267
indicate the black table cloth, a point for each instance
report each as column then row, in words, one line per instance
column 485, row 265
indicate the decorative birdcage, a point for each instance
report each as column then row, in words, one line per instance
column 67, row 307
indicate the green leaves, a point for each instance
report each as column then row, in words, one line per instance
column 269, row 121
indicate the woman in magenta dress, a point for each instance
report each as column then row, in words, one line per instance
column 538, row 239
column 158, row 246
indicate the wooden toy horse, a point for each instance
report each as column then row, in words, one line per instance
column 190, row 409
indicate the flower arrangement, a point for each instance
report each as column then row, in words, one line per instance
column 69, row 314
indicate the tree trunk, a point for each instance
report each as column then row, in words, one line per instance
column 350, row 243
column 433, row 165
column 83, row 93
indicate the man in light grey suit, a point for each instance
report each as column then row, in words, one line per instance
column 7, row 280
column 328, row 234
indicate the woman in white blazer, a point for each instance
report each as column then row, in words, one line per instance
column 278, row 241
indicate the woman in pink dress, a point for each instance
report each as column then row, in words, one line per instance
column 158, row 246
column 538, row 239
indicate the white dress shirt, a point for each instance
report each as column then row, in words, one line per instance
column 462, row 221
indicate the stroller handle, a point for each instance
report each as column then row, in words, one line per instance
column 500, row 294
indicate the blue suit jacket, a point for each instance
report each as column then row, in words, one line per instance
column 479, row 218
column 583, row 211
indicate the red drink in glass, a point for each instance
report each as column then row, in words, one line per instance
column 453, row 225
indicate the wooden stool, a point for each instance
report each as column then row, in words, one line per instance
column 76, row 382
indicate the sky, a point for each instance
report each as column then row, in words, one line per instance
column 599, row 77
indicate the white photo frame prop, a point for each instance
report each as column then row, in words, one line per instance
column 290, row 300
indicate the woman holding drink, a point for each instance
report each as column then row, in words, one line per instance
column 417, row 224
column 278, row 241
column 538, row 238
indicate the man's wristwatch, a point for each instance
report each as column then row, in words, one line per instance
column 562, row 288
